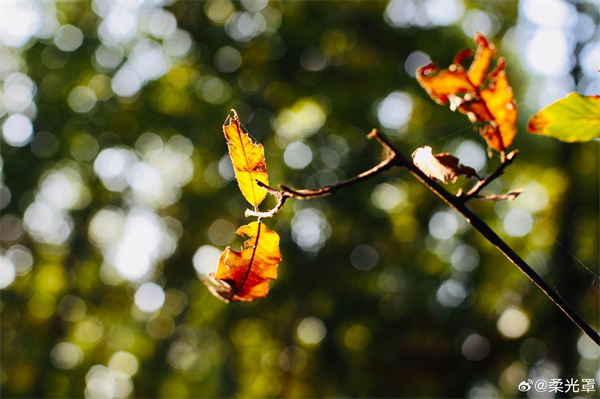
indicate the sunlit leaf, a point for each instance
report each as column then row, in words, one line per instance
column 244, row 275
column 440, row 166
column 492, row 104
column 573, row 118
column 248, row 161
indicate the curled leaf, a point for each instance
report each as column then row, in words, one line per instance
column 493, row 105
column 244, row 275
column 573, row 118
column 440, row 166
column 248, row 161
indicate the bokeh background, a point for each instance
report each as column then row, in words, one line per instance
column 117, row 196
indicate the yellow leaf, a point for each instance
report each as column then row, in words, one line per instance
column 244, row 275
column 248, row 161
column 440, row 166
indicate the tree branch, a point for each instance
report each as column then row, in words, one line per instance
column 395, row 157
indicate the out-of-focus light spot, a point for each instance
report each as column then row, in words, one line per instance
column 143, row 242
column 21, row 258
column 68, row 38
column 108, row 58
column 553, row 13
column 5, row 196
column 255, row 5
column 388, row 196
column 111, row 166
column 146, row 182
column 584, row 28
column 18, row 92
column 588, row 348
column 471, row 154
column 451, row 293
column 219, row 11
column 119, row 26
column 44, row 144
column 148, row 60
column 7, row 272
column 12, row 228
column 161, row 23
column 149, row 297
column 66, row 355
column 103, row 382
column 552, row 89
column 17, row 130
column 124, row 362
column 547, row 52
column 517, row 222
column 47, row 224
column 357, row 337
column 303, row 119
column 71, row 308
column 443, row 225
column 537, row 197
column 297, row 155
column 221, row 232
column 310, row 229
column 400, row 13
column 62, row 189
column 89, row 330
column 313, row 59
column 226, row 168
column 106, row 226
column 444, row 12
column 41, row 306
column 414, row 61
column 311, row 331
column 483, row 390
column 513, row 323
column 589, row 59
column 206, row 259
column 215, row 90
column 475, row 347
column 394, row 111
column 243, row 26
column 178, row 43
column 480, row 21
column 228, row 59
column 364, row 257
column 464, row 258
column 19, row 22
column 126, row 82
column 81, row 99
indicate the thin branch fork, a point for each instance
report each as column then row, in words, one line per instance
column 395, row 157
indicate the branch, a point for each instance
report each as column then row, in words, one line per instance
column 474, row 192
column 458, row 203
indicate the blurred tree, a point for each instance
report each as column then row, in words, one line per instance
column 117, row 196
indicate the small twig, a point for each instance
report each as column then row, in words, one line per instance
column 498, row 197
column 481, row 184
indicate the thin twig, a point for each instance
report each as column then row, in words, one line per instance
column 481, row 184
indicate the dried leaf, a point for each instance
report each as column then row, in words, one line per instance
column 573, row 118
column 440, row 166
column 244, row 275
column 493, row 105
column 248, row 161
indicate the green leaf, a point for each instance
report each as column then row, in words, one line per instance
column 573, row 118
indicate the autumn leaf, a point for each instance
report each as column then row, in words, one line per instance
column 244, row 275
column 440, row 166
column 248, row 161
column 492, row 105
column 573, row 118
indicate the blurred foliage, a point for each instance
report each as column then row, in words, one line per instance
column 117, row 197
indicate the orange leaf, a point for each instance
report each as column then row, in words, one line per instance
column 440, row 166
column 248, row 161
column 244, row 275
column 493, row 106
